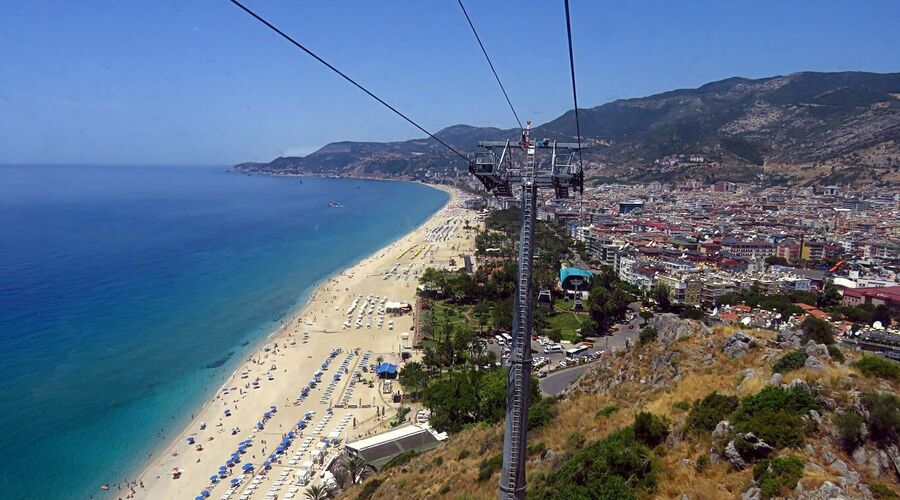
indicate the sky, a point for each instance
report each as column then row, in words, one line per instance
column 199, row 82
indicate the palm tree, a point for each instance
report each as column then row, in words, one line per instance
column 318, row 492
column 356, row 467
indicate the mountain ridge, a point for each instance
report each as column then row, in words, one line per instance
column 797, row 128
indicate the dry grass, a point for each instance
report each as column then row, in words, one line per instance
column 456, row 479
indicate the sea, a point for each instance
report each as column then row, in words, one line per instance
column 129, row 294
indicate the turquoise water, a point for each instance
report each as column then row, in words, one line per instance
column 127, row 294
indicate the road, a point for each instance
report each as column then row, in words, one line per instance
column 555, row 382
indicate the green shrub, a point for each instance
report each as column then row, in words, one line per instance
column 849, row 426
column 488, row 467
column 646, row 315
column 775, row 415
column 878, row 367
column 538, row 448
column 777, row 475
column 401, row 459
column 368, row 489
column 835, row 352
column 648, row 334
column 444, row 489
column 541, row 413
column 650, row 429
column 437, row 461
column 617, row 467
column 818, row 330
column 681, row 405
column 883, row 492
column 702, row 463
column 706, row 414
column 884, row 417
column 575, row 441
column 463, row 454
column 606, row 411
column 793, row 360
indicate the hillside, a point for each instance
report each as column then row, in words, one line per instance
column 696, row 413
column 803, row 127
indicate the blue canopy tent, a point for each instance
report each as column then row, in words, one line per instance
column 386, row 370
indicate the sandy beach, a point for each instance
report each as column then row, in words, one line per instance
column 344, row 329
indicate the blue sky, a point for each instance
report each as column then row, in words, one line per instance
column 199, row 82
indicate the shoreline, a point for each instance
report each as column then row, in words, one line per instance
column 148, row 470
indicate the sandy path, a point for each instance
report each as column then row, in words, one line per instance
column 289, row 361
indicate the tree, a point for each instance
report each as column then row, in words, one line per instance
column 482, row 312
column 589, row 327
column 660, row 295
column 413, row 377
column 830, row 295
column 355, row 467
column 818, row 330
column 883, row 314
column 317, row 492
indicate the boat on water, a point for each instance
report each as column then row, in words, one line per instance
column 335, row 204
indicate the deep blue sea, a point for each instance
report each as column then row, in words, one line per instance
column 127, row 294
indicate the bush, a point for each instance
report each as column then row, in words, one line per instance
column 883, row 492
column 706, row 414
column 648, row 334
column 777, row 475
column 617, row 467
column 541, row 413
column 702, row 463
column 835, row 352
column 488, row 467
column 775, row 415
column 884, row 417
column 463, row 454
column 444, row 489
column 368, row 489
column 650, row 429
column 555, row 335
column 878, row 367
column 606, row 411
column 849, row 426
column 793, row 360
column 646, row 315
column 818, row 330
column 575, row 441
column 681, row 405
column 438, row 461
column 538, row 448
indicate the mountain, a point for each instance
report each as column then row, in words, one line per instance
column 802, row 127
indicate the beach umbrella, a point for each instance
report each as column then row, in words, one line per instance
column 204, row 493
column 260, row 426
column 267, row 415
column 214, row 478
column 272, row 456
column 190, row 439
column 235, row 481
column 279, row 450
column 223, row 468
column 291, row 434
column 199, row 497
column 273, row 408
column 267, row 464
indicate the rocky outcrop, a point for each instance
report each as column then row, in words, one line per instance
column 670, row 328
column 738, row 343
column 788, row 338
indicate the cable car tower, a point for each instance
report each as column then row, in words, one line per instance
column 503, row 166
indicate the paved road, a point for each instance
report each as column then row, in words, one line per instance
column 554, row 383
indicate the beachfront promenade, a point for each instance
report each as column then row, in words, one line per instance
column 291, row 406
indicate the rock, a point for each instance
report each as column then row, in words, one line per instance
column 802, row 384
column 754, row 447
column 777, row 378
column 748, row 374
column 813, row 363
column 828, row 491
column 894, row 456
column 714, row 457
column 737, row 344
column 813, row 414
column 722, row 431
column 734, row 457
column 753, row 493
column 669, row 327
column 859, row 456
column 814, row 468
column 788, row 338
column 840, row 467
column 829, row 457
column 817, row 350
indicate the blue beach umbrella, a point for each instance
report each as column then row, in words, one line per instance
column 260, row 426
column 267, row 415
column 272, row 456
column 204, row 493
column 267, row 464
column 235, row 481
column 199, row 497
column 214, row 478
column 273, row 408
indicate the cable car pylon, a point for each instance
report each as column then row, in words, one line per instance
column 501, row 173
